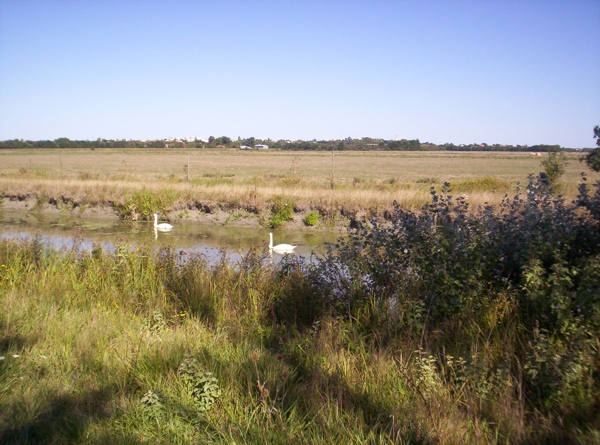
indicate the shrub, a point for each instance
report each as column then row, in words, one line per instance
column 142, row 204
column 282, row 211
column 485, row 184
column 311, row 219
column 534, row 257
column 554, row 168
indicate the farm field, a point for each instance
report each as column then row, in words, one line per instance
column 349, row 182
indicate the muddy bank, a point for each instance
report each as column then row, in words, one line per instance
column 206, row 212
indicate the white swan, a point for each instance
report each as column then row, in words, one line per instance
column 280, row 248
column 163, row 227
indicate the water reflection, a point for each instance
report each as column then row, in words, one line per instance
column 63, row 231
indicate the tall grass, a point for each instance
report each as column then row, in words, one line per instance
column 436, row 327
column 363, row 181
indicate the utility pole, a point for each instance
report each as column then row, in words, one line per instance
column 332, row 169
column 187, row 176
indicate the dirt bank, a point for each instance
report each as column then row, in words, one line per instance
column 206, row 212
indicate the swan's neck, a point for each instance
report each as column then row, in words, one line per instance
column 155, row 220
column 270, row 240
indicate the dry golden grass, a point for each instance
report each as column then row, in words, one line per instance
column 367, row 180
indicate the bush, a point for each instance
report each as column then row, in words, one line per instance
column 311, row 219
column 532, row 264
column 142, row 204
column 282, row 211
column 554, row 168
column 485, row 184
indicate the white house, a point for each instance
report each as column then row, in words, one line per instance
column 261, row 146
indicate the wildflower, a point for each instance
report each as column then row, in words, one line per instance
column 2, row 357
column 16, row 356
column 43, row 356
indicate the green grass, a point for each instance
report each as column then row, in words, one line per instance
column 151, row 346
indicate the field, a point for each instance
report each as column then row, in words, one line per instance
column 349, row 182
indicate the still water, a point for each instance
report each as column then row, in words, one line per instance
column 62, row 231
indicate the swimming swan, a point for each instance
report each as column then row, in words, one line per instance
column 280, row 248
column 163, row 227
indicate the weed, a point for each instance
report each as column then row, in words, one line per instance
column 203, row 387
column 485, row 184
column 428, row 181
column 312, row 218
column 185, row 213
column 282, row 211
column 152, row 402
column 142, row 204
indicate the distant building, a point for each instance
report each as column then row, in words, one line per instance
column 245, row 147
column 261, row 146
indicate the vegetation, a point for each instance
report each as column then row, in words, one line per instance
column 135, row 183
column 365, row 143
column 311, row 219
column 448, row 325
column 554, row 168
column 593, row 157
column 282, row 211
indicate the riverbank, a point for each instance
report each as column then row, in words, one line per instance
column 324, row 191
column 203, row 212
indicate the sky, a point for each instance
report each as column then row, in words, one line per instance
column 519, row 72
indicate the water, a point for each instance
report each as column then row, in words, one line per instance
column 63, row 230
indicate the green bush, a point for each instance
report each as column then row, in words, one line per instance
column 554, row 168
column 311, row 219
column 282, row 211
column 485, row 184
column 142, row 204
column 532, row 264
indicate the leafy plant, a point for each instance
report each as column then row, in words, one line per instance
column 593, row 157
column 311, row 219
column 282, row 211
column 203, row 387
column 554, row 168
column 459, row 264
column 142, row 204
column 152, row 402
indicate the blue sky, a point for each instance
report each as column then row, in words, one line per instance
column 508, row 72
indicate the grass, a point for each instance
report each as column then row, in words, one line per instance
column 158, row 346
column 369, row 181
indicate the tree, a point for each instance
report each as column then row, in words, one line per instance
column 554, row 167
column 593, row 157
column 63, row 142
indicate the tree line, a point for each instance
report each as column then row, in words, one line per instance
column 364, row 143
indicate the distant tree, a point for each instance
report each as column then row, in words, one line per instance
column 593, row 157
column 225, row 140
column 63, row 142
